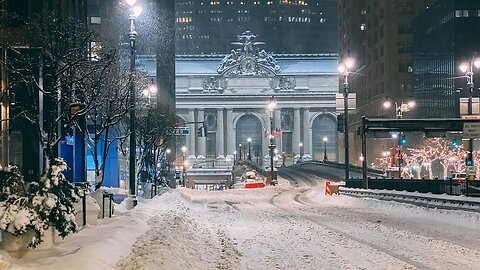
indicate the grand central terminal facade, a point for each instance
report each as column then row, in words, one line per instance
column 228, row 95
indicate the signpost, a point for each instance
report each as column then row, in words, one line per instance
column 179, row 131
column 471, row 172
column 471, row 130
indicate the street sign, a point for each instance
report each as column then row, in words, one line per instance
column 471, row 130
column 471, row 171
column 179, row 131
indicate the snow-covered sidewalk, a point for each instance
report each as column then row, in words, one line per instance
column 279, row 227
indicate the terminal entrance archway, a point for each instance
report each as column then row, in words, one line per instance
column 324, row 126
column 249, row 126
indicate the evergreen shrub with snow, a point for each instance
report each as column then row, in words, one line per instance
column 37, row 205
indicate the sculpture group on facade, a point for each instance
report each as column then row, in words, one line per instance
column 248, row 60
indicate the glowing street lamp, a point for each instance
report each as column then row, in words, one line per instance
column 135, row 12
column 467, row 68
column 271, row 107
column 249, row 140
column 301, row 151
column 345, row 69
column 325, row 139
column 184, row 150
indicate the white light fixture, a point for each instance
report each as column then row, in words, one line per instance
column 476, row 62
column 464, row 67
column 137, row 10
column 131, row 2
column 153, row 89
column 411, row 103
column 349, row 63
column 325, row 139
column 387, row 104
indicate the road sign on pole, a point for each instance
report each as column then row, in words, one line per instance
column 471, row 172
column 179, row 131
column 471, row 130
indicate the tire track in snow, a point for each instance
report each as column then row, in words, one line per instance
column 352, row 237
column 342, row 233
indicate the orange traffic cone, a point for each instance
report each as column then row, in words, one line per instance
column 327, row 188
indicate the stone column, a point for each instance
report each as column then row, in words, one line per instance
column 307, row 132
column 296, row 131
column 220, row 149
column 201, row 141
column 278, row 125
column 230, row 133
column 191, row 136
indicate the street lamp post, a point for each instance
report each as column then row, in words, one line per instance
column 249, row 140
column 404, row 106
column 135, row 11
column 345, row 69
column 184, row 150
column 467, row 68
column 240, row 152
column 234, row 158
column 271, row 108
column 167, row 163
column 301, row 151
column 149, row 92
column 325, row 139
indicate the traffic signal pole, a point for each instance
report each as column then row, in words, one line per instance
column 470, row 141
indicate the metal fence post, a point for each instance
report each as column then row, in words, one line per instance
column 451, row 187
column 110, row 210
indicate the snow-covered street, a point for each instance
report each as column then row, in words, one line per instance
column 281, row 227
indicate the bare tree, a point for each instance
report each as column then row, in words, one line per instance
column 153, row 139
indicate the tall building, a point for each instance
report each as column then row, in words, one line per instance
column 445, row 36
column 286, row 26
column 378, row 35
column 20, row 146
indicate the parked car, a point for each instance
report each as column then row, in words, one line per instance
column 459, row 177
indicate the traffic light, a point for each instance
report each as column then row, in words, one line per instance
column 455, row 144
column 202, row 132
column 469, row 160
column 341, row 122
column 403, row 140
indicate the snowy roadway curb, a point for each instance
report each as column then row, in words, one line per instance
column 442, row 201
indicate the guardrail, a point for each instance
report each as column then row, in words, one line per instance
column 427, row 200
column 371, row 172
column 448, row 186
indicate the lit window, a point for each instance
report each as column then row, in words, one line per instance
column 95, row 20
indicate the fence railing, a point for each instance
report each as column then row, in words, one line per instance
column 437, row 186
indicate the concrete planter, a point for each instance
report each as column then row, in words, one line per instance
column 17, row 245
column 93, row 210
